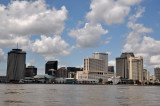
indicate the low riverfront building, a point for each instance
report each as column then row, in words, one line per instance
column 93, row 76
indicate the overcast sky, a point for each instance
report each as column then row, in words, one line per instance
column 71, row 30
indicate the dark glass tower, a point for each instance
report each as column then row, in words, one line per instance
column 51, row 65
column 110, row 68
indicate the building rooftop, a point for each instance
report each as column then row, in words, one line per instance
column 100, row 53
column 93, row 58
column 51, row 62
column 127, row 54
column 17, row 51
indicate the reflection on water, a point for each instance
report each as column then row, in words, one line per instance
column 10, row 101
column 79, row 95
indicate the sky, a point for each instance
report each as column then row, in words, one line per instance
column 71, row 30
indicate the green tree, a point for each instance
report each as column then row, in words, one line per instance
column 100, row 80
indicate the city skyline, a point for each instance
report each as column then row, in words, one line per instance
column 79, row 28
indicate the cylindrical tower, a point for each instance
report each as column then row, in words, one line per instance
column 16, row 65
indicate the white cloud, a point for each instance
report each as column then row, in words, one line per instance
column 41, row 70
column 102, row 11
column 134, row 17
column 149, row 49
column 31, row 62
column 29, row 18
column 109, row 53
column 112, row 63
column 23, row 42
column 89, row 36
column 142, row 45
column 155, row 59
column 110, row 11
column 2, row 56
column 108, row 40
column 24, row 18
column 134, row 37
column 51, row 47
column 49, row 58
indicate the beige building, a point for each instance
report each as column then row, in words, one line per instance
column 93, row 76
column 94, row 69
column 146, row 75
column 122, row 65
column 103, row 56
column 92, row 64
column 136, row 68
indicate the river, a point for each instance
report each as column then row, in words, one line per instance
column 78, row 95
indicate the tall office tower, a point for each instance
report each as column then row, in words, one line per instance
column 122, row 66
column 136, row 68
column 92, row 64
column 103, row 56
column 50, row 67
column 31, row 71
column 157, row 73
column 16, row 65
column 110, row 68
column 146, row 75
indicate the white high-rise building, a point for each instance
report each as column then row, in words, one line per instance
column 103, row 56
column 92, row 64
column 136, row 68
column 94, row 69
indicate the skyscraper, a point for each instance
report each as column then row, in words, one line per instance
column 93, row 64
column 136, row 68
column 146, row 75
column 157, row 73
column 50, row 66
column 16, row 65
column 95, row 69
column 103, row 56
column 122, row 66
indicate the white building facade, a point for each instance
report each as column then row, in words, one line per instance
column 103, row 56
column 136, row 68
column 92, row 64
column 93, row 77
column 94, row 69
